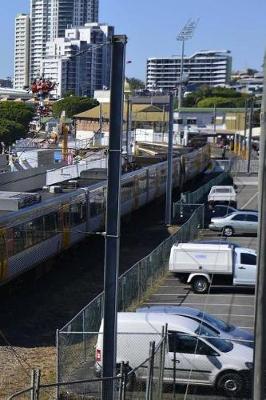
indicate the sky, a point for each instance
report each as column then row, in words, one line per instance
column 152, row 27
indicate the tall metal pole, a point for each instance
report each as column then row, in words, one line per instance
column 112, row 242
column 260, row 315
column 245, row 129
column 101, row 117
column 168, row 199
column 181, row 75
column 250, row 132
column 214, row 119
column 127, row 124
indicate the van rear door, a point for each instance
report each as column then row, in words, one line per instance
column 245, row 271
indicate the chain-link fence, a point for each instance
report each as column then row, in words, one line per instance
column 198, row 196
column 76, row 340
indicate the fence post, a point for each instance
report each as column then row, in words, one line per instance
column 32, row 383
column 35, row 384
column 162, row 361
column 57, row 362
column 148, row 395
column 122, row 385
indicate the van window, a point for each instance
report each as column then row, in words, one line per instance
column 222, row 190
column 183, row 343
column 249, row 259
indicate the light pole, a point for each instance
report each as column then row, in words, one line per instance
column 112, row 241
column 168, row 199
column 186, row 33
column 260, row 316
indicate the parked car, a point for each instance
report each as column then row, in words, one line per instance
column 222, row 194
column 218, row 210
column 237, row 222
column 222, row 328
column 201, row 265
column 198, row 355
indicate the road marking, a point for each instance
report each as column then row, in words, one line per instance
column 204, row 304
column 200, row 295
column 250, row 200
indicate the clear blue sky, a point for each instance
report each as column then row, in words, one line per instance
column 152, row 26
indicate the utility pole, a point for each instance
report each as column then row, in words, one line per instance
column 214, row 120
column 250, row 131
column 245, row 127
column 260, row 313
column 101, row 117
column 112, row 241
column 127, row 124
column 168, row 199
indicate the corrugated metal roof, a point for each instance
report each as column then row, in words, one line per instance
column 140, row 112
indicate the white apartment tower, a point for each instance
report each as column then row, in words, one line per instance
column 207, row 67
column 21, row 53
column 87, row 72
column 50, row 19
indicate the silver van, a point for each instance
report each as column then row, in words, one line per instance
column 201, row 356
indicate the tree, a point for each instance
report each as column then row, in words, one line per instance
column 221, row 102
column 207, row 96
column 16, row 112
column 135, row 83
column 73, row 105
column 11, row 131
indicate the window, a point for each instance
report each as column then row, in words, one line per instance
column 222, row 190
column 240, row 217
column 183, row 343
column 248, row 259
column 191, row 121
column 252, row 218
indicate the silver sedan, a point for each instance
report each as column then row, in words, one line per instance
column 237, row 222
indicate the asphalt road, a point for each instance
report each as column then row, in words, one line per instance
column 233, row 305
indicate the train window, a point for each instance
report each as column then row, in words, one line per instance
column 34, row 232
column 142, row 183
column 96, row 202
column 51, row 224
column 19, row 233
column 127, row 190
column 163, row 176
column 152, row 177
column 78, row 212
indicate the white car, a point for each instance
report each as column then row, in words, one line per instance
column 201, row 357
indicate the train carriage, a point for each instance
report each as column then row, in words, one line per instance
column 32, row 235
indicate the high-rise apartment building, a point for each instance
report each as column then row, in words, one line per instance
column 85, row 73
column 206, row 67
column 50, row 19
column 21, row 52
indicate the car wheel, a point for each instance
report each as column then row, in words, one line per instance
column 200, row 284
column 228, row 231
column 231, row 384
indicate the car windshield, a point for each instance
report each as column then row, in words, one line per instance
column 215, row 322
column 211, row 336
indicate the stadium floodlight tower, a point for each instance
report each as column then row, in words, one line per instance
column 186, row 33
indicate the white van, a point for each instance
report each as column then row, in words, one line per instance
column 202, row 357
